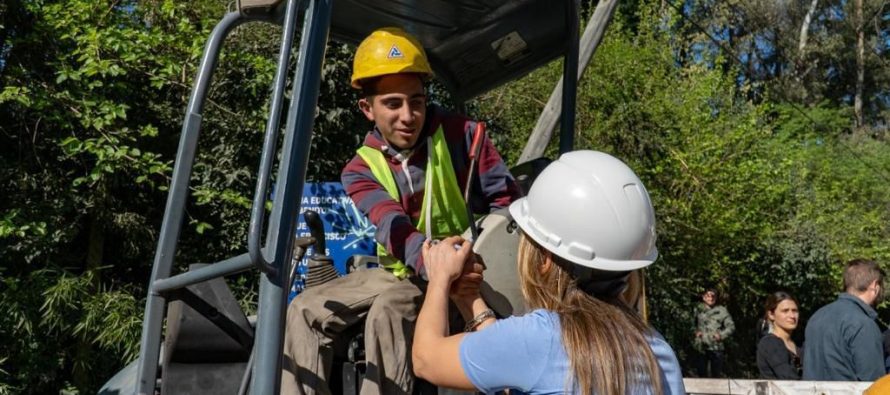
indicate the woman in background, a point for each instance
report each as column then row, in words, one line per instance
column 778, row 356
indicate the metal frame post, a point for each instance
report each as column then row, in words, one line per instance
column 286, row 205
column 171, row 226
column 258, row 210
column 569, row 81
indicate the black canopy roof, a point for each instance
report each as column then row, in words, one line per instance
column 473, row 46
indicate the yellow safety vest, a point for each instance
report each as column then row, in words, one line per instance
column 442, row 198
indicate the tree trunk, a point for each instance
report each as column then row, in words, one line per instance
column 805, row 28
column 860, row 65
column 590, row 40
column 95, row 255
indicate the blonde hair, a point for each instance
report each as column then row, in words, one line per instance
column 605, row 340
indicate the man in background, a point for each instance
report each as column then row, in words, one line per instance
column 713, row 326
column 843, row 341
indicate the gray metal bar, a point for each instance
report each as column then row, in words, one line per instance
column 286, row 205
column 245, row 380
column 229, row 266
column 150, row 342
column 300, row 250
column 269, row 145
column 570, row 84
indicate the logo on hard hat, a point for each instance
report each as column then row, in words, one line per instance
column 394, row 52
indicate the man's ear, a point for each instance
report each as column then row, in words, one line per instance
column 547, row 263
column 365, row 106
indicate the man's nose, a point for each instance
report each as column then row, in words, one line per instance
column 405, row 114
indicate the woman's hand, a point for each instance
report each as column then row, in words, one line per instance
column 445, row 261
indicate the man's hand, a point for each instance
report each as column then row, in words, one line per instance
column 466, row 288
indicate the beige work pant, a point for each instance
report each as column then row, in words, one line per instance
column 317, row 317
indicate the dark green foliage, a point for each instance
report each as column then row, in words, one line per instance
column 92, row 102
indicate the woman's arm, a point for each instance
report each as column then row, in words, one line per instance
column 436, row 356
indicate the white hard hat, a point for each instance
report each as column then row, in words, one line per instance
column 589, row 208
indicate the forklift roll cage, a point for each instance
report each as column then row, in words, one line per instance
column 473, row 47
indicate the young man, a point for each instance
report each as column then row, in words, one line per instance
column 843, row 341
column 713, row 326
column 407, row 178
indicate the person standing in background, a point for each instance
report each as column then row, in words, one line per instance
column 886, row 340
column 778, row 356
column 843, row 341
column 713, row 326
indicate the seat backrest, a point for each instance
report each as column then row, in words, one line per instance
column 206, row 324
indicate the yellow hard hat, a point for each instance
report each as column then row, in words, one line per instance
column 882, row 386
column 389, row 50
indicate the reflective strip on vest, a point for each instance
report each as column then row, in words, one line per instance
column 442, row 207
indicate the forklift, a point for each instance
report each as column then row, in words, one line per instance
column 208, row 345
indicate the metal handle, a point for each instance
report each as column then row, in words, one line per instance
column 257, row 211
column 475, row 147
column 316, row 228
column 477, row 139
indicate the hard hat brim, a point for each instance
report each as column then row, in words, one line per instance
column 518, row 211
column 425, row 75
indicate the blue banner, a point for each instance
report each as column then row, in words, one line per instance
column 348, row 232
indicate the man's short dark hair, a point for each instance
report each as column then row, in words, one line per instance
column 369, row 87
column 860, row 273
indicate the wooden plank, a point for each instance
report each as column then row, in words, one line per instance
column 707, row 386
column 590, row 40
column 773, row 387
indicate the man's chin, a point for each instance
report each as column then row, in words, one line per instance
column 403, row 144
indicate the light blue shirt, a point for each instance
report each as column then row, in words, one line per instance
column 526, row 355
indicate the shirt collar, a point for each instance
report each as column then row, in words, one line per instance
column 380, row 143
column 868, row 310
